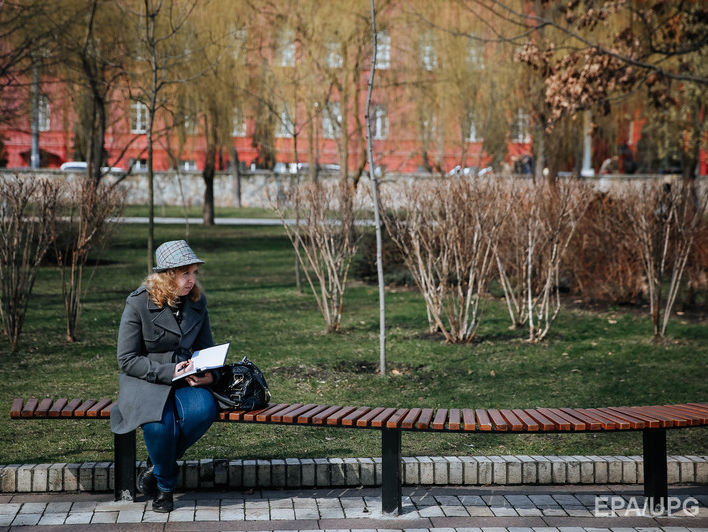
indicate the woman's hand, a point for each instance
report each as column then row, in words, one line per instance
column 183, row 367
column 204, row 380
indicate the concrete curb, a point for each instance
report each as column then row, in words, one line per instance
column 343, row 472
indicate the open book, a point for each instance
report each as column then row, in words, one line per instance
column 209, row 358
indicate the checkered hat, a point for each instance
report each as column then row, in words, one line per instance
column 174, row 254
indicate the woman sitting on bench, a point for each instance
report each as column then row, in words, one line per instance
column 163, row 322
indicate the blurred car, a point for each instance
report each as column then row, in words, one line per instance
column 81, row 166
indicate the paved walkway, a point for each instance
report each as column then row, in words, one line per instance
column 516, row 509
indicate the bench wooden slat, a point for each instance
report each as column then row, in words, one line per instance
column 529, row 423
column 514, row 422
column 604, row 422
column 350, row 419
column 440, row 419
column 96, row 408
column 364, row 420
column 649, row 421
column 634, row 423
column 425, row 418
column 290, row 414
column 305, row 417
column 654, row 419
column 690, row 417
column 590, row 423
column 43, row 407
column 83, row 407
column 684, row 410
column 394, row 422
column 252, row 415
column 269, row 412
column 57, row 407
column 679, row 420
column 575, row 423
column 106, row 412
column 16, row 408
column 30, row 407
column 68, row 410
column 379, row 420
column 559, row 422
column 320, row 418
column 702, row 406
column 468, row 420
column 483, row 420
column 411, row 417
column 335, row 419
column 610, row 417
column 453, row 422
column 544, row 422
column 498, row 420
column 236, row 415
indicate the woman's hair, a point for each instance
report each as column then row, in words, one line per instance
column 162, row 287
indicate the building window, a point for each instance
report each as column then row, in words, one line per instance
column 188, row 165
column 138, row 165
column 286, row 48
column 383, row 50
column 471, row 128
column 285, row 125
column 379, row 124
column 189, row 124
column 333, row 57
column 43, row 113
column 238, row 38
column 521, row 127
column 331, row 121
column 138, row 117
column 239, row 129
column 428, row 55
column 475, row 54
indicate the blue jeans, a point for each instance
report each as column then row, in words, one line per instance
column 188, row 413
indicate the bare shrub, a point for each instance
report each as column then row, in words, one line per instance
column 602, row 263
column 324, row 240
column 83, row 226
column 446, row 231
column 533, row 241
column 664, row 221
column 27, row 207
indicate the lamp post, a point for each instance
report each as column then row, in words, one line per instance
column 317, row 141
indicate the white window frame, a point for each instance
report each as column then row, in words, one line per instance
column 383, row 50
column 331, row 121
column 470, row 126
column 475, row 54
column 428, row 53
column 286, row 48
column 239, row 124
column 138, row 118
column 521, row 127
column 44, row 113
column 188, row 165
column 189, row 124
column 285, row 125
column 333, row 55
column 380, row 122
column 239, row 36
column 138, row 165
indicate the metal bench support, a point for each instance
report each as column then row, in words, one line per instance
column 124, row 459
column 391, row 472
column 655, row 476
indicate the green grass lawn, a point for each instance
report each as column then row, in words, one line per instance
column 591, row 358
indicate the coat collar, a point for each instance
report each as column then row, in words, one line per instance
column 163, row 317
column 193, row 315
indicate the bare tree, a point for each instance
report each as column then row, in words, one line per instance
column 447, row 231
column 664, row 219
column 325, row 242
column 85, row 208
column 27, row 214
column 531, row 247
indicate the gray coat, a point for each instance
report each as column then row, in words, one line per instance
column 150, row 344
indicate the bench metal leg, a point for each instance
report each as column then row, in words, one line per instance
column 391, row 470
column 124, row 459
column 655, row 476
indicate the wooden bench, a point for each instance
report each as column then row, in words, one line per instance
column 653, row 421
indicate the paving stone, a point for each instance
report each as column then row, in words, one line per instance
column 440, row 470
column 500, row 511
column 24, row 478
column 78, row 518
column 426, row 470
column 455, row 470
column 485, row 470
column 469, row 470
column 53, row 518
column 26, row 519
column 33, row 508
column 211, row 514
column 130, row 516
column 479, row 511
column 180, row 515
column 528, row 512
column 104, row 517
column 499, row 473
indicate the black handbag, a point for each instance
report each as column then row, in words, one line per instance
column 241, row 386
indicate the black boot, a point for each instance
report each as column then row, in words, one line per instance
column 147, row 483
column 163, row 502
